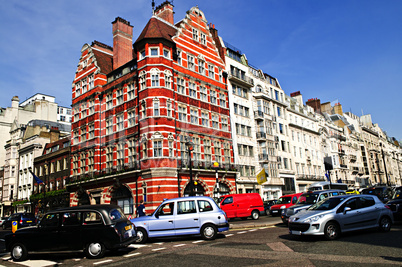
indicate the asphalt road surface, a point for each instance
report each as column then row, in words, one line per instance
column 256, row 245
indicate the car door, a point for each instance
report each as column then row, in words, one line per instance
column 187, row 219
column 70, row 230
column 163, row 223
column 350, row 218
column 369, row 213
column 49, row 238
column 229, row 207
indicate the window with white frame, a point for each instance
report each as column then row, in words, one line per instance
column 205, row 119
column 196, row 149
column 157, row 148
column 84, row 85
column 225, row 126
column 119, row 97
column 76, row 136
column 76, row 113
column 220, row 74
column 154, row 51
column 82, row 163
column 91, row 81
column 143, row 80
column 181, row 87
column 207, row 150
column 130, row 91
column 91, row 161
column 156, row 107
column 182, row 113
column 78, row 88
column 144, row 149
column 91, row 107
column 192, row 90
column 109, row 157
column 109, row 126
column 212, row 96
column 190, row 62
column 222, row 100
column 226, row 152
column 83, row 134
column 211, row 72
column 120, row 122
column 131, row 117
column 166, row 53
column 109, row 101
column 132, row 152
column 217, row 148
column 120, row 155
column 142, row 54
column 203, row 39
column 201, row 66
column 194, row 116
column 91, row 131
column 143, row 110
column 203, row 94
column 179, row 56
column 195, row 34
column 215, row 121
column 169, row 108
column 168, row 79
column 154, row 78
column 170, row 143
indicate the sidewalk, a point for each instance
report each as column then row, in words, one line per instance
column 263, row 221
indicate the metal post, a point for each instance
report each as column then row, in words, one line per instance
column 216, row 167
column 189, row 145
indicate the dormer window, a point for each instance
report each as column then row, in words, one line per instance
column 154, row 52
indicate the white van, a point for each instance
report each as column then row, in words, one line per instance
column 327, row 185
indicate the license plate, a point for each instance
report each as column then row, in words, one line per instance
column 274, row 211
column 128, row 227
column 29, row 221
column 295, row 232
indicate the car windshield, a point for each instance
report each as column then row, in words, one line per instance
column 398, row 193
column 116, row 214
column 327, row 203
column 284, row 200
column 309, row 198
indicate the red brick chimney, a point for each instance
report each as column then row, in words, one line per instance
column 122, row 42
column 165, row 12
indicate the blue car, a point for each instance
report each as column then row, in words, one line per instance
column 198, row 215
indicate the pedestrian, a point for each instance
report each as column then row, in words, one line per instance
column 141, row 209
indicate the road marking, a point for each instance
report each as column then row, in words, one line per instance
column 160, row 243
column 279, row 246
column 229, row 235
column 137, row 246
column 179, row 245
column 101, row 262
column 198, row 241
column 130, row 255
column 156, row 249
column 263, row 228
column 252, row 230
column 38, row 263
column 241, row 232
column 76, row 259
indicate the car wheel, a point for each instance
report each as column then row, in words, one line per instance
column 255, row 215
column 209, row 232
column 331, row 231
column 385, row 224
column 19, row 252
column 95, row 250
column 141, row 236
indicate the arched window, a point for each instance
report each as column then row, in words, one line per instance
column 154, row 78
column 143, row 80
column 168, row 79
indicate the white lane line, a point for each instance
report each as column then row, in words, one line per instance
column 130, row 255
column 37, row 263
column 252, row 230
column 76, row 259
column 241, row 232
column 179, row 245
column 137, row 246
column 279, row 246
column 263, row 227
column 229, row 235
column 156, row 249
column 198, row 241
column 101, row 262
column 160, row 243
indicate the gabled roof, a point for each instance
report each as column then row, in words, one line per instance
column 104, row 61
column 155, row 29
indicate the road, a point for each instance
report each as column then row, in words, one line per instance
column 256, row 245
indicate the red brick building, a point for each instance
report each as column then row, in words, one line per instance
column 140, row 109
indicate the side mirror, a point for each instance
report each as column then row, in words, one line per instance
column 346, row 210
column 157, row 215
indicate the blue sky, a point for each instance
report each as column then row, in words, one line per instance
column 345, row 51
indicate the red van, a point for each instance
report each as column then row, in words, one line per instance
column 284, row 202
column 242, row 205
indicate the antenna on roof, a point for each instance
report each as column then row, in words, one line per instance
column 153, row 7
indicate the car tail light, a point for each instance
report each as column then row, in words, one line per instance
column 387, row 207
column 21, row 221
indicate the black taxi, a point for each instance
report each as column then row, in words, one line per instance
column 90, row 228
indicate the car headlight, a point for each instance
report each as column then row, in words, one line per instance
column 313, row 219
column 283, row 207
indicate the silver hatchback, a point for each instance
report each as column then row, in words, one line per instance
column 332, row 216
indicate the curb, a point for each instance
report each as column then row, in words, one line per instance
column 251, row 225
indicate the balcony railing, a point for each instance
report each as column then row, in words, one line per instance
column 258, row 115
column 261, row 135
column 238, row 76
column 263, row 157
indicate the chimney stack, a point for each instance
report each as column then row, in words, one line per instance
column 122, row 42
column 165, row 12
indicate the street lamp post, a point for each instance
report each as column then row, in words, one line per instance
column 216, row 167
column 189, row 145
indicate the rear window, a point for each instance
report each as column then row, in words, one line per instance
column 284, row 200
column 204, row 205
column 27, row 217
column 307, row 199
column 116, row 214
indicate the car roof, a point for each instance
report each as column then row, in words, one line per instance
column 193, row 197
column 106, row 207
column 289, row 195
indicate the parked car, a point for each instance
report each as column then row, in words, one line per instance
column 22, row 219
column 2, row 220
column 268, row 204
column 91, row 228
column 283, row 202
column 335, row 215
column 395, row 204
column 198, row 215
column 242, row 205
column 306, row 200
column 384, row 193
column 352, row 191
